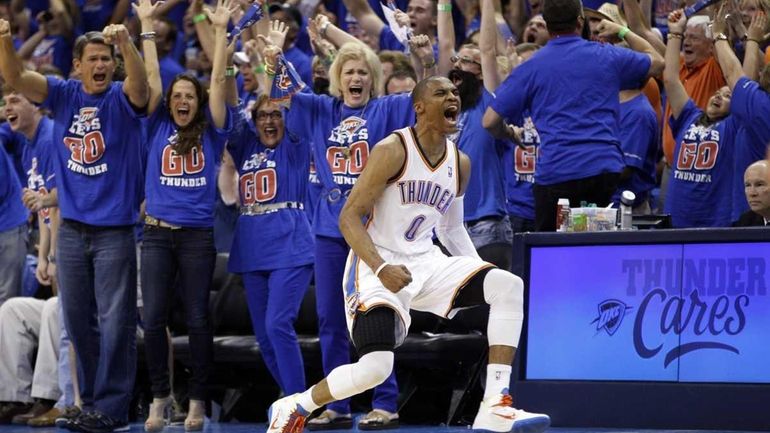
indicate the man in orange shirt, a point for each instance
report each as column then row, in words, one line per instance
column 700, row 72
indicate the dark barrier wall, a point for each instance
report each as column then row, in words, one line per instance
column 647, row 329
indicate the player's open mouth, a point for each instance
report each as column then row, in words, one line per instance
column 100, row 78
column 450, row 114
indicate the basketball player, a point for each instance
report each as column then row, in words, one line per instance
column 414, row 183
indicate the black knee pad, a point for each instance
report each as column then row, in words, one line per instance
column 375, row 330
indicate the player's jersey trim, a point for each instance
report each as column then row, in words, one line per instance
column 425, row 159
column 402, row 170
column 464, row 283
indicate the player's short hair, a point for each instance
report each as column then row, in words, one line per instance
column 419, row 91
column 355, row 51
column 89, row 38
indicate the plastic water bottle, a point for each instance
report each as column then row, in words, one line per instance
column 562, row 215
column 626, row 209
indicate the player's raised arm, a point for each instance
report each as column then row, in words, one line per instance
column 29, row 83
column 385, row 162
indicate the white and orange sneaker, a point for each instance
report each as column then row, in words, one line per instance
column 496, row 414
column 286, row 416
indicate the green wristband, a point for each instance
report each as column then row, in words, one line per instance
column 198, row 18
column 623, row 32
column 445, row 7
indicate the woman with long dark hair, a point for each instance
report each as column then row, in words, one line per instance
column 187, row 133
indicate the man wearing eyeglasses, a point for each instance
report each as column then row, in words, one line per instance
column 96, row 158
column 574, row 106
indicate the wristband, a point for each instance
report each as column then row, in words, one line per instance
column 623, row 32
column 259, row 69
column 379, row 269
column 445, row 7
column 147, row 36
column 231, row 71
column 675, row 36
column 198, row 18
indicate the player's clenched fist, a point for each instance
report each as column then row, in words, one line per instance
column 395, row 277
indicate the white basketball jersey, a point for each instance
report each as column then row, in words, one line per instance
column 410, row 207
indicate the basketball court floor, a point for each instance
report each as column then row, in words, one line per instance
column 260, row 428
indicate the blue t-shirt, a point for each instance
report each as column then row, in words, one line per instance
column 12, row 143
column 639, row 134
column 283, row 238
column 574, row 104
column 485, row 193
column 12, row 210
column 181, row 189
column 520, row 172
column 343, row 136
column 700, row 186
column 314, row 189
column 36, row 159
column 97, row 141
column 750, row 105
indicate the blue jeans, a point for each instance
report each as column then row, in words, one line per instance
column 186, row 257
column 330, row 257
column 492, row 238
column 65, row 374
column 13, row 251
column 274, row 299
column 97, row 289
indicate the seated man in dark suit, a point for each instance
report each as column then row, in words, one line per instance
column 757, row 182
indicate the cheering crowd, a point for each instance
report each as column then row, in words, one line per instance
column 141, row 139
